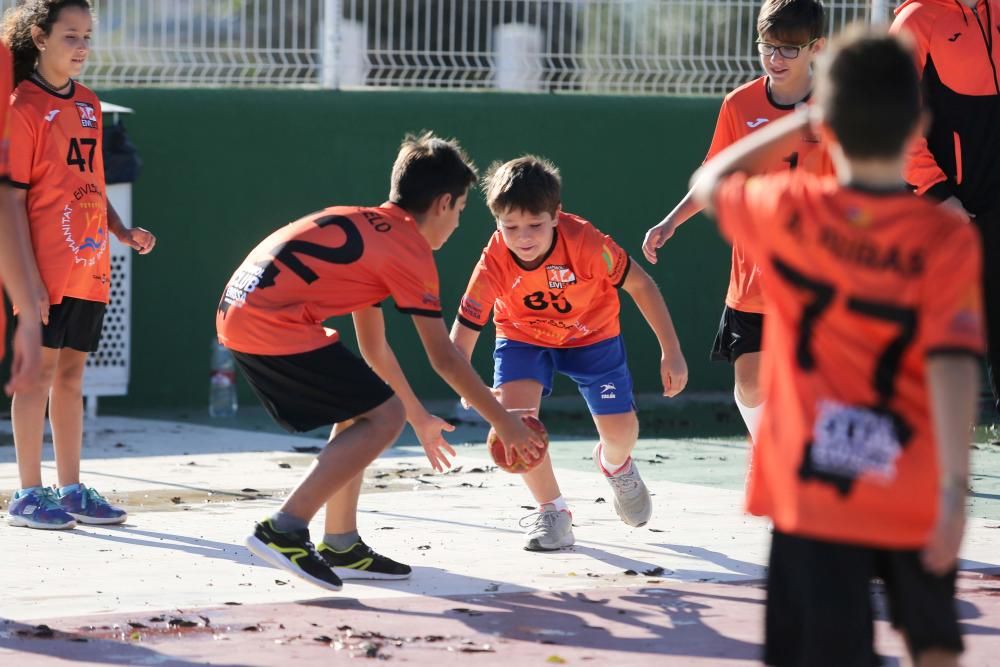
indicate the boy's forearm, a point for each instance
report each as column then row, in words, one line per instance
column 752, row 154
column 686, row 209
column 654, row 309
column 115, row 224
column 387, row 367
column 953, row 383
column 456, row 370
column 464, row 338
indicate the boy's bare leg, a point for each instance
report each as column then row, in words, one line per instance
column 28, row 419
column 619, row 434
column 66, row 414
column 527, row 395
column 345, row 457
column 748, row 392
column 747, row 371
column 342, row 507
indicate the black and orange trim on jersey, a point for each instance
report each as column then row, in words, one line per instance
column 958, row 56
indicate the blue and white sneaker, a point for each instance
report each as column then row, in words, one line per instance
column 38, row 507
column 86, row 505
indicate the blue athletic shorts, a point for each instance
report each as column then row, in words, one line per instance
column 600, row 371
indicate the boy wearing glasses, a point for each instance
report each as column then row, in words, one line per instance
column 790, row 35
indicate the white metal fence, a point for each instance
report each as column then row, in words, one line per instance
column 633, row 47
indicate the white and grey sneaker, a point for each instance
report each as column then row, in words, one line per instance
column 632, row 502
column 548, row 529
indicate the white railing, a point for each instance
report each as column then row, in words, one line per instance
column 631, row 47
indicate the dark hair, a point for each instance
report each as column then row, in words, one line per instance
column 791, row 20
column 428, row 167
column 16, row 30
column 868, row 92
column 529, row 183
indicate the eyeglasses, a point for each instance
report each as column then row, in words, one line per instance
column 788, row 52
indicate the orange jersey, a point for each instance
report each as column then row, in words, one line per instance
column 55, row 154
column 332, row 262
column 958, row 57
column 744, row 110
column 6, row 84
column 861, row 287
column 570, row 300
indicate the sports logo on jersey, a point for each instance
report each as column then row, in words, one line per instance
column 559, row 276
column 858, row 217
column 430, row 296
column 853, row 441
column 757, row 123
column 608, row 390
column 471, row 308
column 88, row 116
column 244, row 281
column 50, row 116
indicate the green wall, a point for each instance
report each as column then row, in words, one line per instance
column 223, row 168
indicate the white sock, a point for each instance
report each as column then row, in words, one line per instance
column 559, row 504
column 751, row 416
column 612, row 468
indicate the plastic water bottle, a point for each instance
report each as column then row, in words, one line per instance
column 222, row 385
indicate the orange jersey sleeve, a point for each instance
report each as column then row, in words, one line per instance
column 726, row 130
column 484, row 286
column 609, row 260
column 55, row 154
column 953, row 318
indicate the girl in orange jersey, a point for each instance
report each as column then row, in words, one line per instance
column 58, row 174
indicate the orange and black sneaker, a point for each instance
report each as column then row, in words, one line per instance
column 293, row 552
column 362, row 562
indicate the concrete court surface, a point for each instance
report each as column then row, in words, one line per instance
column 175, row 585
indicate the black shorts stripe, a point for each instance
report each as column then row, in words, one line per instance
column 19, row 185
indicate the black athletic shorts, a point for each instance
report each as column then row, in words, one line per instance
column 312, row 389
column 739, row 333
column 74, row 323
column 819, row 603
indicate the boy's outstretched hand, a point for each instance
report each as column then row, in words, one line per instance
column 655, row 238
column 674, row 373
column 428, row 429
column 516, row 437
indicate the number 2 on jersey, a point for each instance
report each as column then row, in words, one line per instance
column 75, row 155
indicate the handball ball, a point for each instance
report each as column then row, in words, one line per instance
column 520, row 465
